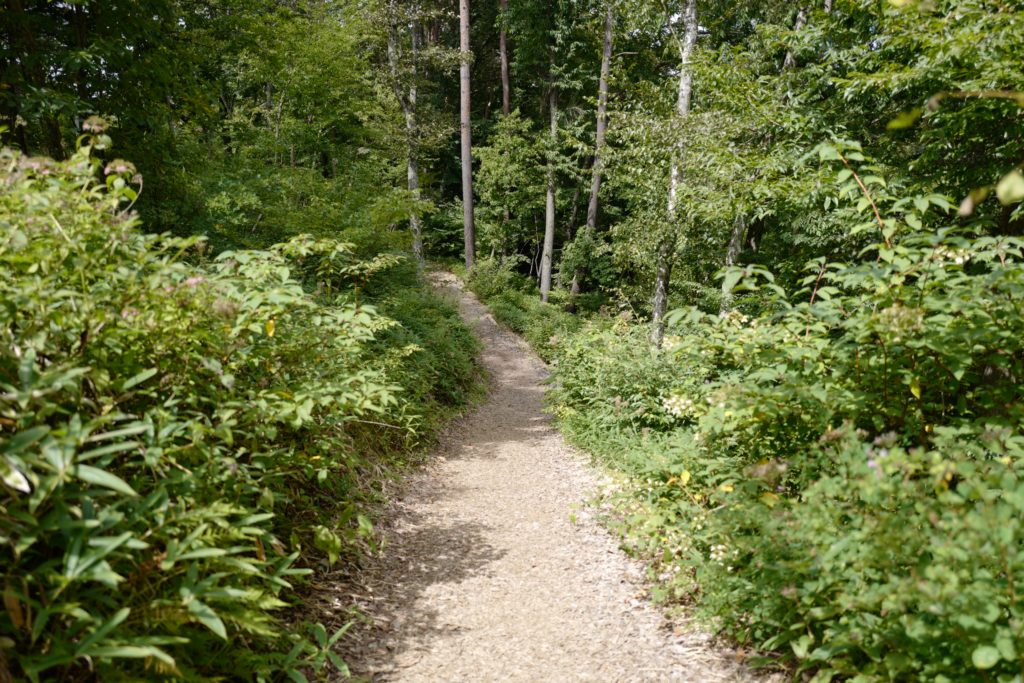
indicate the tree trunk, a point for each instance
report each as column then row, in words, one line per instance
column 570, row 231
column 667, row 247
column 22, row 39
column 413, row 172
column 732, row 254
column 549, row 208
column 602, row 121
column 468, row 229
column 80, row 43
column 597, row 172
column 413, row 167
column 828, row 6
column 801, row 18
column 506, row 97
column 407, row 100
column 662, row 275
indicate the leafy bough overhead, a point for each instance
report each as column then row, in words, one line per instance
column 175, row 433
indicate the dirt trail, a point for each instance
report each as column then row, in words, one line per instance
column 493, row 568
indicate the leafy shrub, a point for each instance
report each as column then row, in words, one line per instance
column 177, row 435
column 491, row 276
column 838, row 481
column 514, row 301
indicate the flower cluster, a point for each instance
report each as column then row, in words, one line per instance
column 721, row 554
column 671, row 342
column 901, row 320
column 735, row 317
column 699, row 521
column 957, row 256
column 678, row 405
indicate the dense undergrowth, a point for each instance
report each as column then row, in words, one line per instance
column 184, row 435
column 832, row 475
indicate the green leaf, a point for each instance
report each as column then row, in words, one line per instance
column 12, row 476
column 138, row 379
column 205, row 615
column 905, row 119
column 102, row 631
column 985, row 656
column 131, row 430
column 801, row 645
column 1006, row 648
column 95, row 475
column 1010, row 189
column 132, row 652
column 24, row 439
column 828, row 153
column 338, row 663
column 731, row 278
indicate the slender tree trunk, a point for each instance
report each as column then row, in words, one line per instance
column 506, row 97
column 23, row 40
column 570, row 229
column 413, row 167
column 732, row 254
column 80, row 43
column 407, row 100
column 602, row 120
column 801, row 18
column 597, row 173
column 662, row 276
column 413, row 173
column 667, row 247
column 574, row 212
column 468, row 229
column 828, row 6
column 549, row 208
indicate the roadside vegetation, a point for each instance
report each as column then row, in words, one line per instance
column 216, row 350
column 798, row 340
column 773, row 252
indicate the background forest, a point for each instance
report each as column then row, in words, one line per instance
column 773, row 252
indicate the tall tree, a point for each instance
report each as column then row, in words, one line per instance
column 506, row 97
column 602, row 118
column 600, row 137
column 406, row 93
column 667, row 247
column 801, row 18
column 465, row 55
column 547, row 254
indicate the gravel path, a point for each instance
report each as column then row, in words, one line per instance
column 493, row 567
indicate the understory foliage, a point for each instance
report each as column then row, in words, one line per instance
column 513, row 301
column 182, row 437
column 832, row 474
column 823, row 453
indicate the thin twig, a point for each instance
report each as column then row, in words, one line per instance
column 871, row 200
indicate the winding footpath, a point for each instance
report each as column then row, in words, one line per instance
column 494, row 568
